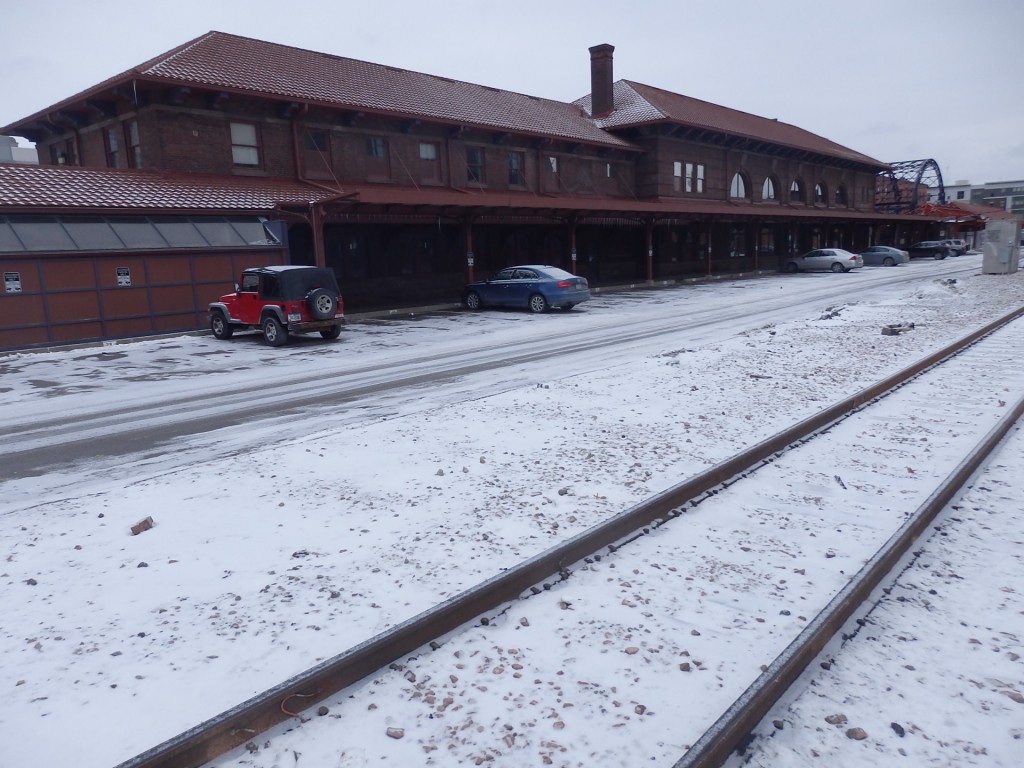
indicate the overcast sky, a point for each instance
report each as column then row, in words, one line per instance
column 893, row 79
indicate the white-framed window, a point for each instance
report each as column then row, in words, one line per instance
column 516, row 161
column 245, row 145
column 695, row 178
column 430, row 168
column 132, row 144
column 768, row 189
column 112, row 145
column 475, row 165
column 738, row 186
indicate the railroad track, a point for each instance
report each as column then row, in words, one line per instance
column 239, row 725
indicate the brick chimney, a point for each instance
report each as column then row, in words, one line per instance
column 602, row 102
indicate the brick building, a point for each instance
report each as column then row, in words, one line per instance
column 405, row 184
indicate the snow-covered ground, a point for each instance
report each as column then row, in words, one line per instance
column 268, row 556
column 935, row 676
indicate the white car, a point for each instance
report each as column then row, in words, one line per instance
column 824, row 259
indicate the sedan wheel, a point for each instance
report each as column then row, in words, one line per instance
column 538, row 303
column 472, row 300
column 889, row 261
column 791, row 268
column 274, row 333
column 837, row 267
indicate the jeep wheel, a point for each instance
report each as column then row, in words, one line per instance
column 321, row 304
column 219, row 326
column 331, row 333
column 274, row 333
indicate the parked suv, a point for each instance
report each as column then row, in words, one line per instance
column 280, row 301
column 934, row 248
column 957, row 247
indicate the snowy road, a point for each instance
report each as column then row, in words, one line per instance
column 120, row 406
column 280, row 541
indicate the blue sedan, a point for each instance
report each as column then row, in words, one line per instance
column 532, row 286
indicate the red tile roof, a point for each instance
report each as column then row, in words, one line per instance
column 68, row 189
column 961, row 209
column 525, row 203
column 24, row 187
column 242, row 65
column 638, row 104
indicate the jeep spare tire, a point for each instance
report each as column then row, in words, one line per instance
column 322, row 305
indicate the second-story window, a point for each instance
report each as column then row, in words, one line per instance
column 245, row 145
column 677, row 176
column 840, row 195
column 112, row 144
column 315, row 140
column 515, row 169
column 70, row 154
column 768, row 189
column 820, row 194
column 134, row 147
column 796, row 192
column 695, row 178
column 610, row 170
column 475, row 165
column 738, row 187
column 429, row 166
column 316, row 154
column 553, row 164
column 377, row 163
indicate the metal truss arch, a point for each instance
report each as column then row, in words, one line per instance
column 905, row 187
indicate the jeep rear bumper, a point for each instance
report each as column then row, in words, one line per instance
column 315, row 325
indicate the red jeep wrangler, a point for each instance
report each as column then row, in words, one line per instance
column 280, row 301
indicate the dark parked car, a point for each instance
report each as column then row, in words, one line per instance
column 934, row 248
column 280, row 301
column 533, row 286
column 958, row 247
column 884, row 256
column 829, row 259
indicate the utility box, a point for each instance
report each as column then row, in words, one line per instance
column 1000, row 252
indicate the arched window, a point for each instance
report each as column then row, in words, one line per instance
column 841, row 195
column 738, row 187
column 768, row 189
column 796, row 191
column 820, row 194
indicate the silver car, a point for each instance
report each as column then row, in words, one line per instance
column 824, row 259
column 884, row 256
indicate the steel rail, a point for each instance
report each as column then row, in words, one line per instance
column 236, row 726
column 740, row 719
